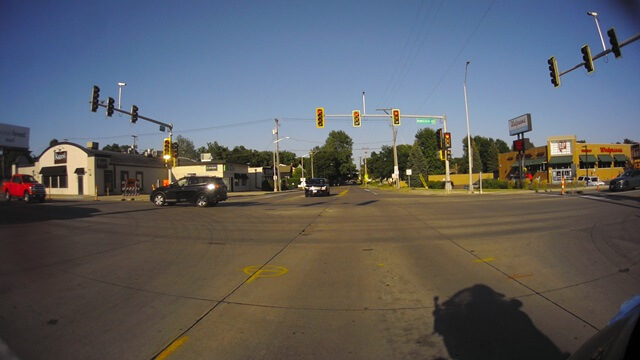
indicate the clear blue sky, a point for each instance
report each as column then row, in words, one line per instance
column 222, row 71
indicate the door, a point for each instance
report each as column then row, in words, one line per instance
column 108, row 181
column 80, row 184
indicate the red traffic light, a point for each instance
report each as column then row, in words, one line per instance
column 395, row 115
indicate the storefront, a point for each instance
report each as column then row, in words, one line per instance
column 70, row 169
column 565, row 157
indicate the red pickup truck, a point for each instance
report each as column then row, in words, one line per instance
column 25, row 187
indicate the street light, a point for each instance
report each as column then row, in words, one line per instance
column 466, row 107
column 120, row 86
column 595, row 16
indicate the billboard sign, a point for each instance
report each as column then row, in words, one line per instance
column 520, row 125
column 12, row 136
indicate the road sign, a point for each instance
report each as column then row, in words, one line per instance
column 427, row 120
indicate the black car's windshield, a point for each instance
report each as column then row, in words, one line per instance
column 316, row 182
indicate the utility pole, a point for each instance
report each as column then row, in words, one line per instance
column 311, row 156
column 135, row 137
column 276, row 165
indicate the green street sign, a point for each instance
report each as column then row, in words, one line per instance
column 428, row 121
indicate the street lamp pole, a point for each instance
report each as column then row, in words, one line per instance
column 595, row 16
column 466, row 107
column 120, row 86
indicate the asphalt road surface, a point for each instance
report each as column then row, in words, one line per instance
column 359, row 274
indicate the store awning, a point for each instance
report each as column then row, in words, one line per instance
column 561, row 160
column 620, row 157
column 79, row 171
column 54, row 170
column 588, row 158
column 605, row 158
column 538, row 161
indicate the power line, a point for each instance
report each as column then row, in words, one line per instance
column 457, row 56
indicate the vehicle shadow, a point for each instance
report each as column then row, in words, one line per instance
column 479, row 323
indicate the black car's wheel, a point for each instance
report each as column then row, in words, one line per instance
column 159, row 199
column 201, row 200
column 7, row 196
column 26, row 197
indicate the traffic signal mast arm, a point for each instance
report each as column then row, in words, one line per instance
column 440, row 117
column 603, row 53
column 170, row 126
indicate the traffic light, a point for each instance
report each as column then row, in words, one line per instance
column 449, row 154
column 95, row 98
column 166, row 154
column 395, row 115
column 110, row 106
column 613, row 40
column 553, row 71
column 588, row 60
column 447, row 140
column 174, row 150
column 134, row 114
column 319, row 118
column 356, row 118
column 439, row 139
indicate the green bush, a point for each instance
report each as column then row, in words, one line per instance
column 494, row 184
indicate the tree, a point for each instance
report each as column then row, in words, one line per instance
column 476, row 157
column 380, row 165
column 428, row 143
column 113, row 147
column 334, row 159
column 54, row 142
column 186, row 149
column 502, row 146
column 417, row 162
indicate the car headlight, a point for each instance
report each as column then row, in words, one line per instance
column 211, row 186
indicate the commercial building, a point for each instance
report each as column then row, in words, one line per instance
column 71, row 169
column 564, row 157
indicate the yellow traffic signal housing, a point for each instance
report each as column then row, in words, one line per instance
column 439, row 139
column 355, row 114
column 395, row 115
column 553, row 71
column 441, row 154
column 588, row 60
column 110, row 106
column 166, row 154
column 319, row 118
column 447, row 140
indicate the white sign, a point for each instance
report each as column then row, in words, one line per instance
column 12, row 136
column 561, row 147
column 520, row 125
column 409, row 172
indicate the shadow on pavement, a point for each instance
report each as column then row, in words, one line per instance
column 479, row 323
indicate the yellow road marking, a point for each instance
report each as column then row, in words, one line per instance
column 267, row 271
column 343, row 193
column 172, row 348
column 484, row 260
column 381, row 265
column 517, row 276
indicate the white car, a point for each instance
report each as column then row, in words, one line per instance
column 591, row 180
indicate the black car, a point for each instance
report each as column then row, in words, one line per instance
column 201, row 190
column 317, row 186
column 627, row 181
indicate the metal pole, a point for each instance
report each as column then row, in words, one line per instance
column 595, row 16
column 278, row 156
column 470, row 153
column 364, row 106
column 396, row 171
column 311, row 155
column 447, row 177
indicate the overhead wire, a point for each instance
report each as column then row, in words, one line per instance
column 457, row 56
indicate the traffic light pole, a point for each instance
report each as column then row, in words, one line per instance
column 169, row 126
column 447, row 176
column 604, row 53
